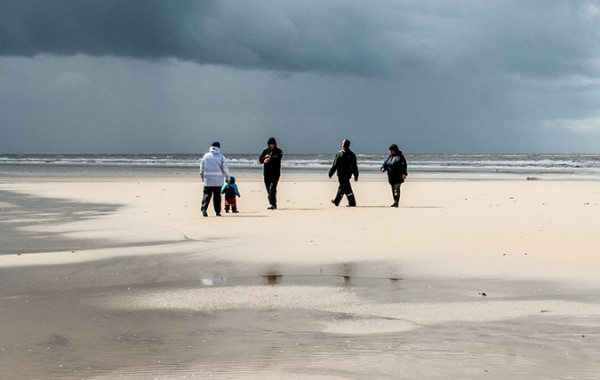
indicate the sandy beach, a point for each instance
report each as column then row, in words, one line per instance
column 475, row 276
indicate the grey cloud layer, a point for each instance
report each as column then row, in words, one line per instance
column 435, row 76
column 379, row 37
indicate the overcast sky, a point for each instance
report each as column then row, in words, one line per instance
column 433, row 76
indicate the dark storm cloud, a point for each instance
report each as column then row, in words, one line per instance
column 357, row 37
column 281, row 36
column 138, row 29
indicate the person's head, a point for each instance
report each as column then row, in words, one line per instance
column 216, row 144
column 231, row 180
column 393, row 149
column 272, row 143
column 346, row 144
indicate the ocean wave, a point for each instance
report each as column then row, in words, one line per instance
column 424, row 162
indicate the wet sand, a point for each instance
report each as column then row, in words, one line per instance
column 122, row 278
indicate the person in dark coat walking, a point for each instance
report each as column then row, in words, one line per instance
column 396, row 168
column 271, row 160
column 346, row 166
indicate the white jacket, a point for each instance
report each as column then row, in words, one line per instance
column 213, row 168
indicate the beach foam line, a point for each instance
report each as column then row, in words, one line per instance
column 342, row 300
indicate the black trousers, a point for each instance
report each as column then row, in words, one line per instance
column 396, row 191
column 344, row 188
column 271, row 186
column 209, row 191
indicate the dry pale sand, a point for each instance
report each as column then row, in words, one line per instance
column 481, row 277
column 471, row 228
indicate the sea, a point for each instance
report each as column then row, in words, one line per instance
column 417, row 163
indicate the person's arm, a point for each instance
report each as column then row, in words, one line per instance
column 237, row 192
column 333, row 166
column 355, row 167
column 225, row 168
column 202, row 168
column 223, row 189
column 262, row 157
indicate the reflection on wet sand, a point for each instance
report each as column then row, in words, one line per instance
column 244, row 325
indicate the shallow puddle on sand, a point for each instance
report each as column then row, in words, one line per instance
column 82, row 321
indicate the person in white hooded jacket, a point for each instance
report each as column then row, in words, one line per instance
column 213, row 170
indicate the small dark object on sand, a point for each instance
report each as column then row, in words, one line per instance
column 273, row 278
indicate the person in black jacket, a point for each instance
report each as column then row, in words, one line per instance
column 396, row 168
column 345, row 165
column 271, row 160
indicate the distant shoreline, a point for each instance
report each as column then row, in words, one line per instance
column 305, row 163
